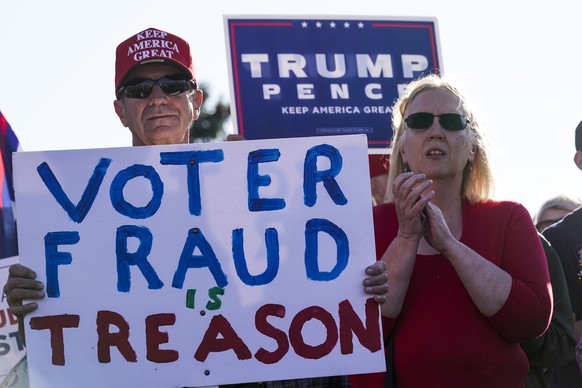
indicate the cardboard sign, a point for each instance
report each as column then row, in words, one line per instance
column 316, row 76
column 11, row 347
column 201, row 264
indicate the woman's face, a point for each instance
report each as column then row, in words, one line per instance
column 439, row 153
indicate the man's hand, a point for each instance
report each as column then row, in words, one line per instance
column 376, row 281
column 22, row 285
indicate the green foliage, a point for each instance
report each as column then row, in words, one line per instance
column 210, row 125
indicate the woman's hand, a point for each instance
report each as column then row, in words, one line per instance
column 410, row 199
column 436, row 231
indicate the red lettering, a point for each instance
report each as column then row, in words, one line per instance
column 13, row 320
column 154, row 338
column 350, row 322
column 219, row 325
column 305, row 350
column 56, row 323
column 269, row 330
column 2, row 318
column 107, row 339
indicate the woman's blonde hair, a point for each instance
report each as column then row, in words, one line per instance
column 477, row 183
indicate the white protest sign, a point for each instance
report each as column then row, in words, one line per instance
column 11, row 347
column 201, row 264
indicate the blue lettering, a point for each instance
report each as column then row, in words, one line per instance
column 312, row 228
column 206, row 259
column 54, row 258
column 272, row 243
column 192, row 160
column 257, row 204
column 311, row 175
column 116, row 191
column 76, row 213
column 139, row 257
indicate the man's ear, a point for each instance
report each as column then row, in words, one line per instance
column 578, row 159
column 120, row 110
column 197, row 98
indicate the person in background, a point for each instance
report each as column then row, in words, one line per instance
column 556, row 346
column 467, row 275
column 579, row 345
column 157, row 99
column 565, row 236
column 553, row 210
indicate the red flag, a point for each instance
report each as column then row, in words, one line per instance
column 8, row 145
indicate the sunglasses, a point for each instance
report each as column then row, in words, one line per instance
column 142, row 87
column 540, row 226
column 449, row 121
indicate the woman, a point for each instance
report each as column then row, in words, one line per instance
column 467, row 276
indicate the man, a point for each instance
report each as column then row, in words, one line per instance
column 157, row 99
column 566, row 238
column 557, row 345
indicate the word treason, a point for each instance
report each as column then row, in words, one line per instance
column 195, row 239
column 221, row 336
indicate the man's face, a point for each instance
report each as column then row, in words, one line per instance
column 159, row 118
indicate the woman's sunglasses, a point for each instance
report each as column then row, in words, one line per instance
column 449, row 121
column 143, row 87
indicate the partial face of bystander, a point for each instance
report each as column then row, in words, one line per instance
column 549, row 217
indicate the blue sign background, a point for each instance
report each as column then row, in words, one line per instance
column 284, row 114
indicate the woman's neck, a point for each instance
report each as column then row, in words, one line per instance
column 447, row 196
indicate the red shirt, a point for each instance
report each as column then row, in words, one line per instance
column 440, row 337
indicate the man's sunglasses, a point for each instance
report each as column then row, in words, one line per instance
column 142, row 87
column 449, row 121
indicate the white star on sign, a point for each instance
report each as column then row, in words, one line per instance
column 318, row 24
column 304, row 24
column 332, row 24
column 347, row 25
column 360, row 25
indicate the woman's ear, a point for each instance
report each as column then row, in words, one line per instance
column 472, row 154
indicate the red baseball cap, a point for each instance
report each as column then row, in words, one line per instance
column 152, row 46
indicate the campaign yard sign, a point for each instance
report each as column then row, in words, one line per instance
column 199, row 264
column 316, row 76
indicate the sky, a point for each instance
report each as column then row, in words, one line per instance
column 518, row 62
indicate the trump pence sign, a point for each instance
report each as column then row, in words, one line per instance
column 317, row 76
